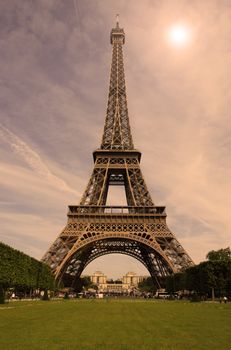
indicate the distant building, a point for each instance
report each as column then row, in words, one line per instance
column 98, row 278
column 127, row 284
column 132, row 279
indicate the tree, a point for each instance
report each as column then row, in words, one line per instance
column 209, row 278
column 23, row 272
column 147, row 285
column 219, row 255
column 175, row 282
column 45, row 295
column 80, row 283
column 220, row 261
column 2, row 295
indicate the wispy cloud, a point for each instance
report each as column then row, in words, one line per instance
column 32, row 159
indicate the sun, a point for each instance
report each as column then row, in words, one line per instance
column 179, row 35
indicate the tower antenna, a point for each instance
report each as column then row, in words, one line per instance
column 117, row 20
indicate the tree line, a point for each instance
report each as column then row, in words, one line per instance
column 22, row 272
column 210, row 278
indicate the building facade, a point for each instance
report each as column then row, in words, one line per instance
column 126, row 285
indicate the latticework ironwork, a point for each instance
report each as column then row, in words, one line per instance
column 138, row 229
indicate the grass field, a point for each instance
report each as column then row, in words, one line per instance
column 115, row 325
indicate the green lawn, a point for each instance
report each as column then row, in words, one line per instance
column 115, row 325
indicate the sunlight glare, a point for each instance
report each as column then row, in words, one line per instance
column 179, row 35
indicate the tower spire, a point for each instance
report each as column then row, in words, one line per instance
column 117, row 20
column 117, row 133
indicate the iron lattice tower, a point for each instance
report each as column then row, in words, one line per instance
column 138, row 229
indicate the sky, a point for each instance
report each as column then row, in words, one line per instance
column 54, row 69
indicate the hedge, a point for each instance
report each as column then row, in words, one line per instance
column 20, row 270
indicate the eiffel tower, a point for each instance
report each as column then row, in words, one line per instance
column 139, row 229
